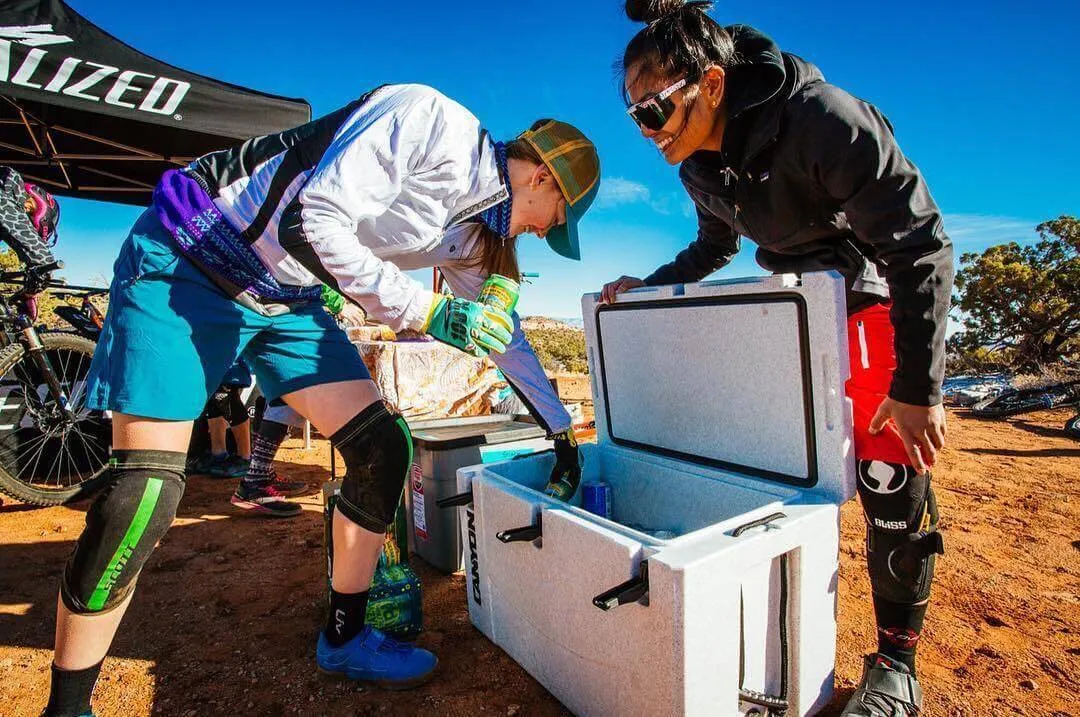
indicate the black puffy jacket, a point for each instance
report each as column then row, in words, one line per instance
column 815, row 178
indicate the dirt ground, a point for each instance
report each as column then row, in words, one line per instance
column 225, row 618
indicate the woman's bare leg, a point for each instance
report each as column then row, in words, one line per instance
column 218, row 428
column 83, row 640
column 242, row 436
column 329, row 407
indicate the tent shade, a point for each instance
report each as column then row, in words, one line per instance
column 86, row 115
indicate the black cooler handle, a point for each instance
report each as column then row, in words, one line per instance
column 633, row 590
column 455, row 501
column 526, row 533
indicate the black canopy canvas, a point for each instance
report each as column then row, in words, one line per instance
column 85, row 115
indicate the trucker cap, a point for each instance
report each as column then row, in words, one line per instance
column 573, row 161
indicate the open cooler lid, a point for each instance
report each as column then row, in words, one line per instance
column 745, row 376
column 445, row 434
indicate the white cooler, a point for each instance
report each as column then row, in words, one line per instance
column 721, row 420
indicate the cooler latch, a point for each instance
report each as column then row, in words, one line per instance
column 633, row 590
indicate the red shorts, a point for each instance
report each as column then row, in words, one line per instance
column 873, row 360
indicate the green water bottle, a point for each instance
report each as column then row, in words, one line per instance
column 500, row 292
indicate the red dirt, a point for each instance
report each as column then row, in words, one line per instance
column 229, row 605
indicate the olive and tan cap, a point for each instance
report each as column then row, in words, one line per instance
column 573, row 160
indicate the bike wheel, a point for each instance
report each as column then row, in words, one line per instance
column 1009, row 403
column 1072, row 427
column 46, row 458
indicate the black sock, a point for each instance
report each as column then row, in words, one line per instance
column 898, row 628
column 71, row 690
column 346, row 618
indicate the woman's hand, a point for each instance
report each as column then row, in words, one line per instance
column 474, row 328
column 623, row 283
column 566, row 475
column 921, row 428
column 352, row 315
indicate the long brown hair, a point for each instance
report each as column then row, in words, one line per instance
column 493, row 254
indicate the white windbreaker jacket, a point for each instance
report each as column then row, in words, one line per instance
column 353, row 199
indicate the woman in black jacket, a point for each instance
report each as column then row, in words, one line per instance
column 769, row 150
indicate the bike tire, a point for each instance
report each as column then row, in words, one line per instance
column 1015, row 401
column 1072, row 427
column 94, row 474
column 1009, row 403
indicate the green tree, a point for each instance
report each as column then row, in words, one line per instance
column 559, row 349
column 1023, row 302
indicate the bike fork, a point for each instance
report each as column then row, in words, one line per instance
column 36, row 350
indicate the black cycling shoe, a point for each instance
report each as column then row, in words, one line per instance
column 887, row 689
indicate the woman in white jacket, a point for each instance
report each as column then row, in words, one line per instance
column 229, row 262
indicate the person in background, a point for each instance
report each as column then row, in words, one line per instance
column 771, row 151
column 229, row 261
column 225, row 411
column 262, row 490
column 28, row 219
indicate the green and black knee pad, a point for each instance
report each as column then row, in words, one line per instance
column 377, row 447
column 122, row 527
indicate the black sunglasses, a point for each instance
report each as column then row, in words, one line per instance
column 654, row 112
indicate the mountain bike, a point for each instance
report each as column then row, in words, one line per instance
column 1014, row 401
column 52, row 448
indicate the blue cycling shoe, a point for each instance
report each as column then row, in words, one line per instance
column 373, row 657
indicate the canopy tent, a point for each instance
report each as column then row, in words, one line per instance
column 86, row 115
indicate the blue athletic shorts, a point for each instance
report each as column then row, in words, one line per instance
column 171, row 335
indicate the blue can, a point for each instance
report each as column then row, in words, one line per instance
column 596, row 498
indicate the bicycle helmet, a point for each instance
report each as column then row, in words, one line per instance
column 43, row 210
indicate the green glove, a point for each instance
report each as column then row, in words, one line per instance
column 333, row 301
column 474, row 328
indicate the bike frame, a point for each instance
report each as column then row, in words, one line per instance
column 18, row 326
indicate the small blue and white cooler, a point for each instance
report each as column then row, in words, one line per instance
column 723, row 429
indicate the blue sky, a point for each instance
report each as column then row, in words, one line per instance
column 981, row 94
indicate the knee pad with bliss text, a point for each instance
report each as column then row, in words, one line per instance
column 901, row 530
column 377, row 448
column 122, row 527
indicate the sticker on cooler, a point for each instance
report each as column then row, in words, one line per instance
column 416, row 485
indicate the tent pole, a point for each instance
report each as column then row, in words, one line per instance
column 92, row 188
column 42, row 180
column 120, row 158
column 118, row 177
column 17, row 148
column 52, row 155
column 30, row 129
column 108, row 142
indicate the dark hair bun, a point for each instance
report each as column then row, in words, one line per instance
column 652, row 10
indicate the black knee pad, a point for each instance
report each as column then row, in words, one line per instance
column 226, row 403
column 122, row 527
column 901, row 530
column 237, row 414
column 217, row 406
column 377, row 448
